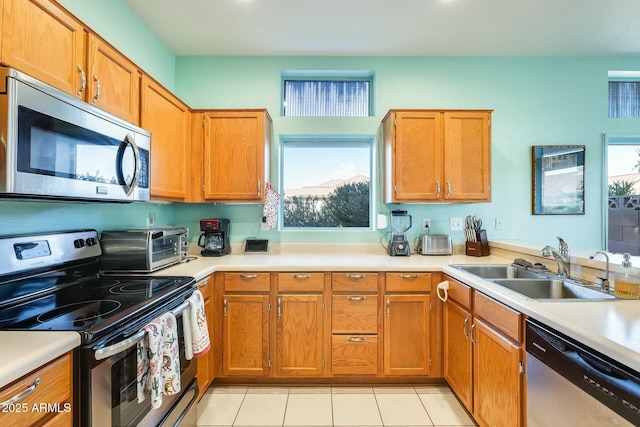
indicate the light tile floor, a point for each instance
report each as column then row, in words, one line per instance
column 331, row 406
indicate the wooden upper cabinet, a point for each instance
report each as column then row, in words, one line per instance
column 41, row 40
column 169, row 121
column 467, row 155
column 113, row 82
column 236, row 147
column 436, row 156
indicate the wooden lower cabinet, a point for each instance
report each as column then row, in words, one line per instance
column 497, row 378
column 206, row 362
column 406, row 335
column 484, row 356
column 299, row 335
column 54, row 388
column 245, row 335
column 458, row 351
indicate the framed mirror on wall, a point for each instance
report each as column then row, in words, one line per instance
column 558, row 179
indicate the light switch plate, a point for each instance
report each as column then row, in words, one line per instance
column 455, row 224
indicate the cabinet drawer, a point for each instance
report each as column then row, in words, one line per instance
column 354, row 354
column 354, row 314
column 499, row 315
column 300, row 282
column 460, row 293
column 414, row 282
column 354, row 282
column 53, row 387
column 256, row 282
column 206, row 287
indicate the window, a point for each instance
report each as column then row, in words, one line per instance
column 624, row 94
column 326, row 182
column 338, row 95
column 623, row 196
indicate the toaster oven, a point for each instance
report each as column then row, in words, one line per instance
column 142, row 250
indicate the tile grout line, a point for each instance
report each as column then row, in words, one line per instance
column 425, row 408
column 239, row 407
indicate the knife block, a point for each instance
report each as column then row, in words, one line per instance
column 480, row 247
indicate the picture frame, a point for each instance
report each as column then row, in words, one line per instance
column 558, row 179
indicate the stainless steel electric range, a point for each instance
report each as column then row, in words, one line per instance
column 52, row 282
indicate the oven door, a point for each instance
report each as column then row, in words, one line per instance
column 113, row 391
column 65, row 150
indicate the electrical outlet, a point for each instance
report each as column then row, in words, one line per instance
column 455, row 224
column 426, row 224
column 263, row 225
column 499, row 223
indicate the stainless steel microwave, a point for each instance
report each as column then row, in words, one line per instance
column 55, row 146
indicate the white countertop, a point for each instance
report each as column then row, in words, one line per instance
column 610, row 327
column 23, row 352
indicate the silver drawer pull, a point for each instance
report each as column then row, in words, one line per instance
column 409, row 276
column 356, row 339
column 248, row 276
column 21, row 395
column 301, row 276
column 358, row 298
column 355, row 276
column 203, row 283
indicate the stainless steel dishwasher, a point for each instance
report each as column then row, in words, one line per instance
column 569, row 384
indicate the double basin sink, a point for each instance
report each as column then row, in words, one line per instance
column 534, row 285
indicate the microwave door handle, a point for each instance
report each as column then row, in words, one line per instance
column 123, row 345
column 128, row 140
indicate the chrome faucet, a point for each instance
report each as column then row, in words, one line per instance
column 561, row 257
column 604, row 282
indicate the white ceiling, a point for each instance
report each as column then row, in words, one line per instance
column 394, row 27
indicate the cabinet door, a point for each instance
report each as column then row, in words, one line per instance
column 41, row 40
column 236, row 145
column 406, row 335
column 417, row 156
column 245, row 335
column 467, row 155
column 169, row 121
column 113, row 81
column 299, row 338
column 458, row 352
column 206, row 363
column 497, row 378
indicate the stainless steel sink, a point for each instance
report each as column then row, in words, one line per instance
column 552, row 289
column 498, row 271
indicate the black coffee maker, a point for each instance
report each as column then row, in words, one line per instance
column 215, row 237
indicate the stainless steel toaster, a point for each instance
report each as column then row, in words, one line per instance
column 434, row 244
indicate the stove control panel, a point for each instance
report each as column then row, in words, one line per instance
column 32, row 251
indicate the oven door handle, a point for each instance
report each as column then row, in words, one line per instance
column 123, row 345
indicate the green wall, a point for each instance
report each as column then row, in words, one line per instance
column 536, row 101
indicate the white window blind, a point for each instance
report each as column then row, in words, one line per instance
column 317, row 98
column 624, row 99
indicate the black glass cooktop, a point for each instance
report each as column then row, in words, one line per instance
column 93, row 307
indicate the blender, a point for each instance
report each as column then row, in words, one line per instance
column 400, row 223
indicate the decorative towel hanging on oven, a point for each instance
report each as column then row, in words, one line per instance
column 195, row 321
column 271, row 206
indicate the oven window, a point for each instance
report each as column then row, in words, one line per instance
column 125, row 409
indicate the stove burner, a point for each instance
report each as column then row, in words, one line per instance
column 149, row 288
column 18, row 313
column 99, row 284
column 80, row 312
